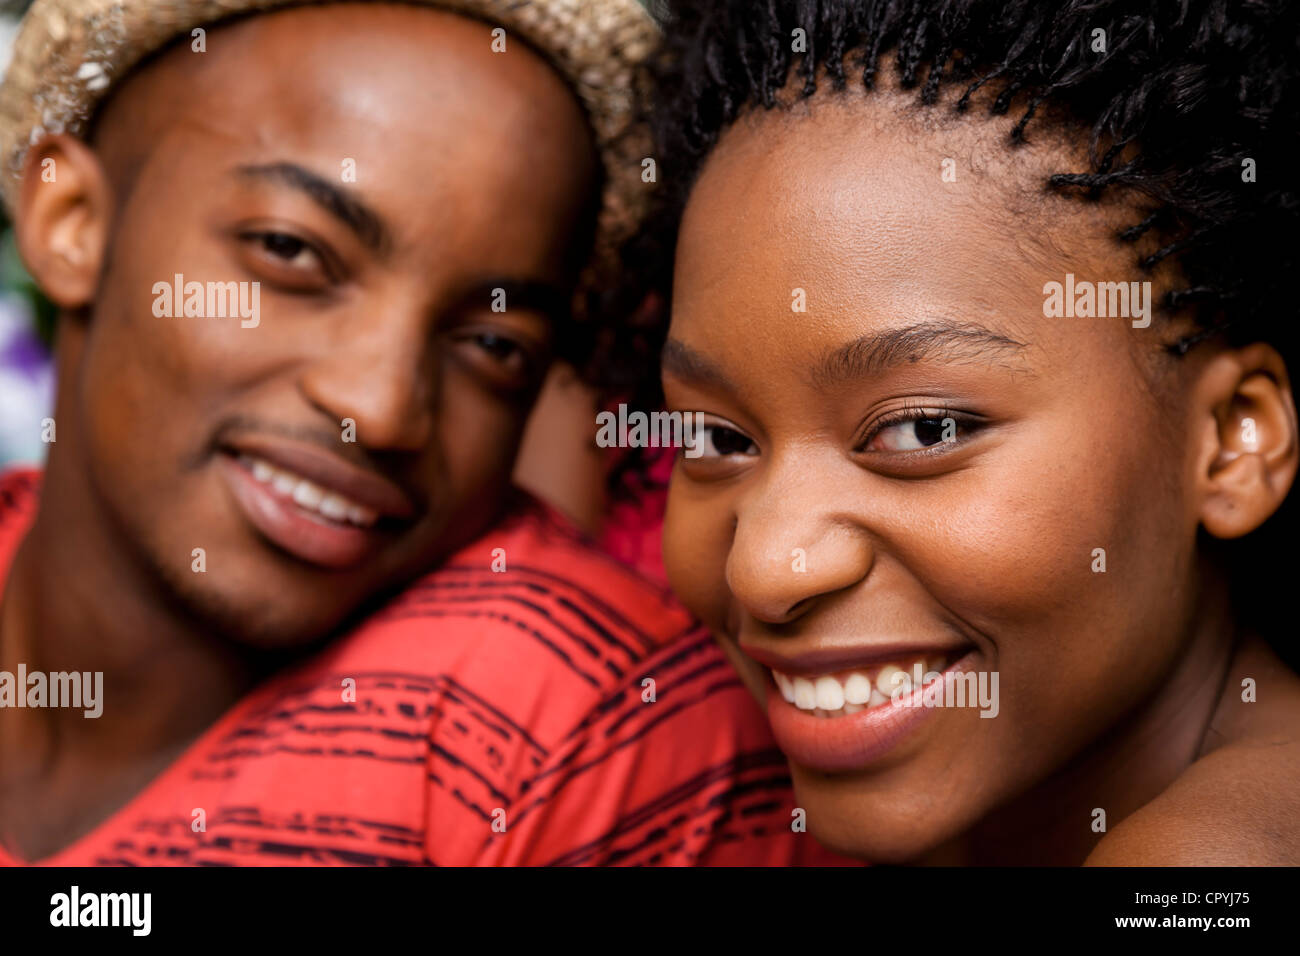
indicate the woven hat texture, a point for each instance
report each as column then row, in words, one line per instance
column 69, row 54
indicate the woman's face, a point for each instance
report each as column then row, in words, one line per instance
column 921, row 466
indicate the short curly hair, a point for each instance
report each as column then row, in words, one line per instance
column 1188, row 102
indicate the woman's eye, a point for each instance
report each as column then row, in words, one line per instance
column 914, row 434
column 720, row 441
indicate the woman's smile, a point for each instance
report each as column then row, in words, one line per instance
column 852, row 718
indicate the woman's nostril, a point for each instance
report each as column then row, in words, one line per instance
column 798, row 608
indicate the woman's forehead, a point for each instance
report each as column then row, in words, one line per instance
column 858, row 204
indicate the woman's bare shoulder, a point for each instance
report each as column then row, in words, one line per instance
column 1239, row 804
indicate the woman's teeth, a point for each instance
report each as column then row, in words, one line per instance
column 834, row 695
column 309, row 497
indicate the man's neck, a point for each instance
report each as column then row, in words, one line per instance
column 79, row 599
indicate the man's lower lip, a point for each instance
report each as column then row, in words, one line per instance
column 329, row 545
column 851, row 742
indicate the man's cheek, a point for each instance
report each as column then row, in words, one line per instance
column 482, row 458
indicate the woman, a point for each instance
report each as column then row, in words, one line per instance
column 987, row 307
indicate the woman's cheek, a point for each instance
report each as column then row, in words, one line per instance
column 1047, row 563
column 1027, row 529
column 696, row 539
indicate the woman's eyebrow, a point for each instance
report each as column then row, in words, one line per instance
column 682, row 362
column 866, row 355
column 877, row 351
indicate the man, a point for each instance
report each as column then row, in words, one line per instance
column 311, row 265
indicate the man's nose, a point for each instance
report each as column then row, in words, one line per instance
column 797, row 539
column 381, row 374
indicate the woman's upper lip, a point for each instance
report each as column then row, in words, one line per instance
column 330, row 472
column 828, row 660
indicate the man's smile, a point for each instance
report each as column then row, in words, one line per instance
column 312, row 503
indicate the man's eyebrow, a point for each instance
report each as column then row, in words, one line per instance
column 681, row 361
column 352, row 212
column 878, row 351
column 550, row 299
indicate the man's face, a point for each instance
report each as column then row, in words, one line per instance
column 379, row 171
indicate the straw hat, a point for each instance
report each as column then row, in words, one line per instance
column 69, row 54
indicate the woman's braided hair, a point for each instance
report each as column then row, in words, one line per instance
column 1192, row 107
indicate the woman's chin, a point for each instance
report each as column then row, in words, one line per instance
column 883, row 828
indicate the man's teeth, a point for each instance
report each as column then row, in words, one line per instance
column 308, row 496
column 849, row 692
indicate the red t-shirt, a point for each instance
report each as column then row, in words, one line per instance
column 483, row 700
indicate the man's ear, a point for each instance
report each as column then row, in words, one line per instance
column 62, row 223
column 1250, row 444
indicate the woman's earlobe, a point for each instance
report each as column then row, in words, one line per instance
column 62, row 222
column 1253, row 465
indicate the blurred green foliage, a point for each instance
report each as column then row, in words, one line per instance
column 13, row 277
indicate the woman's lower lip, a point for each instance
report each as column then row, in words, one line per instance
column 329, row 545
column 851, row 742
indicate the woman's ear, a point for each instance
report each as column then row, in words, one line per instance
column 62, row 222
column 1250, row 444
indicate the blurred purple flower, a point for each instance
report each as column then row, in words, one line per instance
column 26, row 385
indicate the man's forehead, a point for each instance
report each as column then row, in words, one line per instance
column 334, row 61
column 414, row 98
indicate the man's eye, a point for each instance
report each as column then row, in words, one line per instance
column 497, row 346
column 920, row 431
column 287, row 249
column 720, row 441
column 503, row 360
